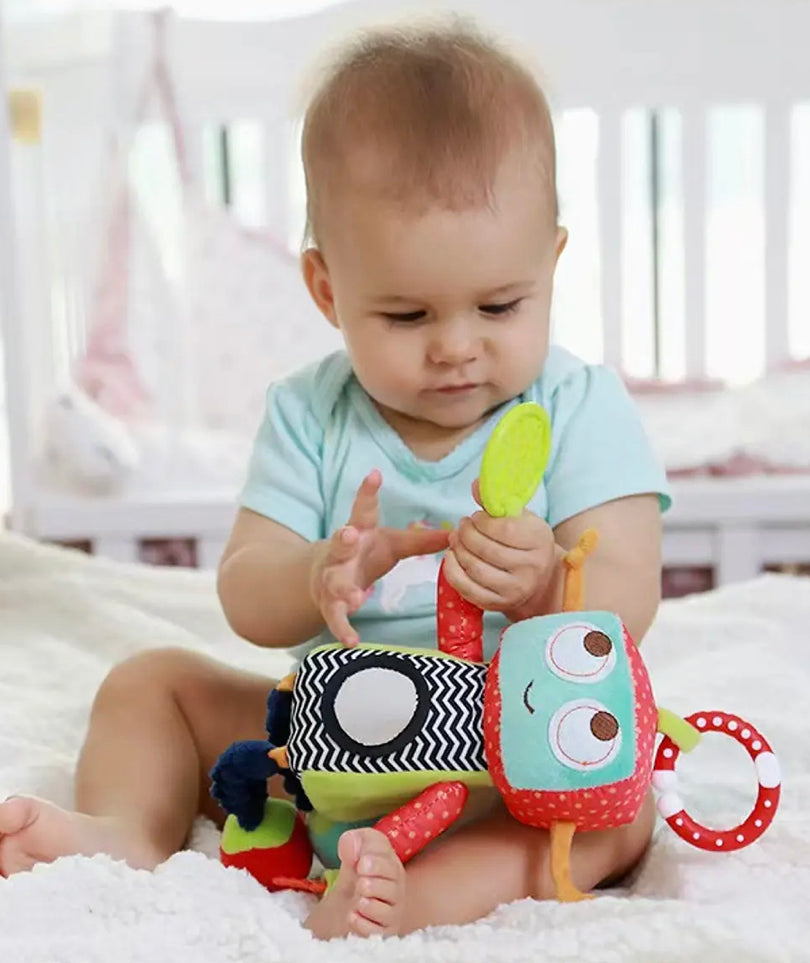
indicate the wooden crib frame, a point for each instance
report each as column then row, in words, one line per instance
column 607, row 55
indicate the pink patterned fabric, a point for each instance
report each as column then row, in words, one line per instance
column 704, row 428
column 200, row 350
column 656, row 386
column 738, row 465
column 107, row 371
column 252, row 318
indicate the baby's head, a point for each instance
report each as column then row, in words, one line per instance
column 432, row 217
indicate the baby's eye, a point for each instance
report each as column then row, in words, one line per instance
column 496, row 309
column 405, row 317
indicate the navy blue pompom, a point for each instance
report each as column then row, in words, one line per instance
column 277, row 724
column 239, row 780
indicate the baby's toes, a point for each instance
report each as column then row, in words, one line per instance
column 372, row 917
column 377, row 857
column 379, row 888
column 383, row 866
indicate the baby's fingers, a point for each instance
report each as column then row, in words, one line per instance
column 339, row 598
column 365, row 512
column 469, row 589
column 343, row 546
column 487, row 576
column 336, row 617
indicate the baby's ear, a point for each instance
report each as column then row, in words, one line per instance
column 319, row 285
column 562, row 240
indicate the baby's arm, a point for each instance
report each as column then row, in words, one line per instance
column 278, row 590
column 264, row 579
column 624, row 573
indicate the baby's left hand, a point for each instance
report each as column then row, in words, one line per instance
column 502, row 564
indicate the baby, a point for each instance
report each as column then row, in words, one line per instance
column 433, row 241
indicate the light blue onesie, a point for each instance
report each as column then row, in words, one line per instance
column 321, row 435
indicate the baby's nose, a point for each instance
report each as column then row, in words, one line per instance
column 452, row 342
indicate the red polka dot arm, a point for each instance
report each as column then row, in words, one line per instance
column 459, row 623
column 411, row 827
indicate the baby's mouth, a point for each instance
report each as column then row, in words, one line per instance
column 456, row 389
column 526, row 702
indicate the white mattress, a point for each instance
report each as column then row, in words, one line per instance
column 67, row 619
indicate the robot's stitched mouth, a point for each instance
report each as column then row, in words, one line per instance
column 526, row 702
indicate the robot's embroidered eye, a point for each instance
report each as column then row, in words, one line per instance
column 584, row 735
column 580, row 652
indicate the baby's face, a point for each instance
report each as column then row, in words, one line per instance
column 445, row 314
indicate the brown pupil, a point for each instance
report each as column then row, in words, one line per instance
column 598, row 644
column 604, row 726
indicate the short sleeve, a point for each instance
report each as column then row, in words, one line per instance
column 600, row 450
column 284, row 475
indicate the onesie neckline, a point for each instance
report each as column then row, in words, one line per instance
column 401, row 455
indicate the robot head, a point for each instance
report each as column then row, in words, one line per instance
column 569, row 715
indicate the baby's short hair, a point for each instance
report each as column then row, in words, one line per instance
column 424, row 116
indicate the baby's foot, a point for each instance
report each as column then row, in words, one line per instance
column 368, row 897
column 35, row 831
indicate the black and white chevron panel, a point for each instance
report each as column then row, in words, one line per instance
column 342, row 713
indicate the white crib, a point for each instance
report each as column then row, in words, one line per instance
column 608, row 56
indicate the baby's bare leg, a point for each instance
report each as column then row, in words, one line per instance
column 157, row 727
column 158, row 724
column 498, row 860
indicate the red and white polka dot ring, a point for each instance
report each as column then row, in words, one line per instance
column 670, row 804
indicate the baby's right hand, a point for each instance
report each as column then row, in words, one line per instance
column 345, row 570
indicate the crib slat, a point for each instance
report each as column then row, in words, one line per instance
column 119, row 548
column 16, row 388
column 694, row 167
column 276, row 166
column 738, row 554
column 609, row 198
column 777, row 201
column 192, row 144
column 29, row 349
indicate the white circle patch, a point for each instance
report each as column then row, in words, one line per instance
column 375, row 705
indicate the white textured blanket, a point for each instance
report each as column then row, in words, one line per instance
column 66, row 619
